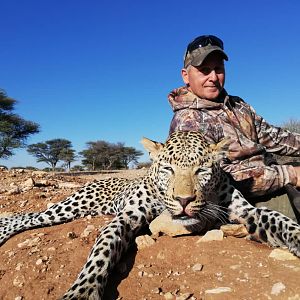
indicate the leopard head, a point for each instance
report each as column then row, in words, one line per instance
column 187, row 175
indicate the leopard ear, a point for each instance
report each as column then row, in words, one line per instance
column 220, row 150
column 152, row 147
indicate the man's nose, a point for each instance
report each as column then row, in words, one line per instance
column 213, row 75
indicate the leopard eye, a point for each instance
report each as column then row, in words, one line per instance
column 168, row 169
column 201, row 170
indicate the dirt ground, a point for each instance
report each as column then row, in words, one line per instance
column 42, row 263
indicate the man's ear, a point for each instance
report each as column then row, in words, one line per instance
column 220, row 150
column 185, row 76
column 152, row 147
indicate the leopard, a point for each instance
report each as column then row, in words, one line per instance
column 186, row 179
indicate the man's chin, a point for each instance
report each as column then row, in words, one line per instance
column 212, row 95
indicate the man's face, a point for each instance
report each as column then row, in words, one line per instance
column 207, row 80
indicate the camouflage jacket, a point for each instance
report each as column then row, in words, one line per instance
column 249, row 159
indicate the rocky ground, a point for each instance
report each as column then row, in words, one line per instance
column 42, row 263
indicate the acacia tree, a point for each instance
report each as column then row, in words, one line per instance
column 67, row 155
column 106, row 156
column 14, row 130
column 51, row 151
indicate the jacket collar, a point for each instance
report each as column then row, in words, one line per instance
column 181, row 98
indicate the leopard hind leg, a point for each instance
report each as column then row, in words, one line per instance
column 91, row 199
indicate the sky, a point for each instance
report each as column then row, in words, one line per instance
column 101, row 70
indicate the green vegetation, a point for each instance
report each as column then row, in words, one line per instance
column 102, row 155
column 14, row 130
column 52, row 151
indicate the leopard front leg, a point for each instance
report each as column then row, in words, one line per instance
column 112, row 242
column 265, row 225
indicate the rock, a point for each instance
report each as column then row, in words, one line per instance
column 30, row 242
column 72, row 235
column 282, row 254
column 212, row 235
column 14, row 191
column 19, row 281
column 39, row 262
column 29, row 183
column 144, row 241
column 168, row 296
column 219, row 290
column 197, row 267
column 277, row 288
column 50, row 204
column 184, row 296
column 236, row 230
column 38, row 173
column 164, row 224
column 87, row 230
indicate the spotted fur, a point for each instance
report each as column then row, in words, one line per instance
column 185, row 178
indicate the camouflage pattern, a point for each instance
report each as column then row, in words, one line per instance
column 253, row 140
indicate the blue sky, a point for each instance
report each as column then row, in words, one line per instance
column 101, row 70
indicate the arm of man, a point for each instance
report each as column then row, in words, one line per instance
column 276, row 140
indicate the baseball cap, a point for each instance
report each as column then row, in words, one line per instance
column 200, row 47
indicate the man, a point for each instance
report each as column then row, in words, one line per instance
column 203, row 104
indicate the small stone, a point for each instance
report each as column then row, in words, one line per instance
column 236, row 230
column 18, row 298
column 144, row 241
column 29, row 242
column 39, row 262
column 157, row 290
column 212, row 235
column 14, row 191
column 87, row 231
column 18, row 266
column 184, row 296
column 19, row 281
column 72, row 235
column 51, row 249
column 277, row 288
column 165, row 224
column 141, row 266
column 141, row 273
column 29, row 183
column 197, row 267
column 168, row 296
column 50, row 204
column 161, row 255
column 38, row 173
column 282, row 254
column 219, row 290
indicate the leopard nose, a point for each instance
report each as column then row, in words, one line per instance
column 184, row 201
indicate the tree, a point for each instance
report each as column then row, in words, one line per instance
column 129, row 155
column 67, row 156
column 106, row 156
column 14, row 130
column 52, row 151
column 292, row 125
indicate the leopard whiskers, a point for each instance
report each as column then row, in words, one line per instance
column 214, row 211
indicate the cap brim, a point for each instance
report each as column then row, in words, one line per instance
column 198, row 60
column 197, row 57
